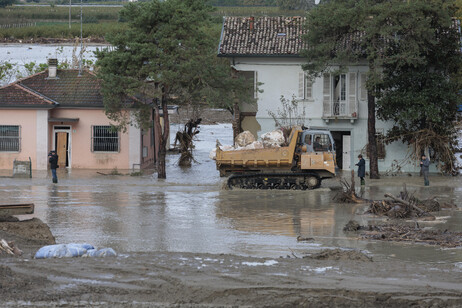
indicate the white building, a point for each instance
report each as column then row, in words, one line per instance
column 266, row 50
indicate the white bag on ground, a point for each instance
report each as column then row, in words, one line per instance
column 243, row 139
column 103, row 252
column 62, row 251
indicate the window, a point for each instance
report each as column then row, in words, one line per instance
column 104, row 139
column 251, row 79
column 305, row 87
column 10, row 138
column 321, row 143
column 339, row 84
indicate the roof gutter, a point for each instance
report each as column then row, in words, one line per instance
column 221, row 35
column 21, row 106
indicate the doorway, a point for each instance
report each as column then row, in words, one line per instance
column 62, row 140
column 342, row 141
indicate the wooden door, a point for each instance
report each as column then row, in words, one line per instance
column 61, row 148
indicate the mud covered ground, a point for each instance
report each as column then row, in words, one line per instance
column 331, row 278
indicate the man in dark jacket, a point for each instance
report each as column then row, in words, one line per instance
column 424, row 165
column 361, row 169
column 53, row 159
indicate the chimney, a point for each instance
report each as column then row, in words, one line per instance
column 52, row 68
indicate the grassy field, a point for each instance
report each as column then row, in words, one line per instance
column 61, row 30
column 53, row 22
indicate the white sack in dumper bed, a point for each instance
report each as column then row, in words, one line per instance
column 273, row 139
column 72, row 250
column 213, row 152
column 254, row 145
column 244, row 139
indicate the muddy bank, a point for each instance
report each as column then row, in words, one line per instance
column 207, row 280
column 339, row 254
column 332, row 277
column 27, row 235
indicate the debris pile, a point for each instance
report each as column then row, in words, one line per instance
column 414, row 234
column 339, row 254
column 406, row 205
column 185, row 141
column 246, row 141
column 348, row 195
column 9, row 248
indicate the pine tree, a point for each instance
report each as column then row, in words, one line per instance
column 411, row 49
column 167, row 55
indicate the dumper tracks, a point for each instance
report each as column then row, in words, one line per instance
column 294, row 181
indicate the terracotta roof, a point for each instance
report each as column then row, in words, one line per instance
column 262, row 36
column 68, row 88
column 14, row 95
column 275, row 36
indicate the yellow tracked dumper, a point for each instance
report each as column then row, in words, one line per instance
column 303, row 164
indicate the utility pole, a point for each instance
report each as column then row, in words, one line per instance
column 80, row 58
column 70, row 13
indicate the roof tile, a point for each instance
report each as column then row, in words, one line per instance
column 265, row 36
column 14, row 95
column 68, row 89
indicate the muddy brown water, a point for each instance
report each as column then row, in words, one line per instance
column 191, row 212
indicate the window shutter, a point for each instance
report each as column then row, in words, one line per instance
column 352, row 94
column 301, row 85
column 308, row 88
column 363, row 87
column 326, row 95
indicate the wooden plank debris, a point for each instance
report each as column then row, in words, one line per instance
column 16, row 209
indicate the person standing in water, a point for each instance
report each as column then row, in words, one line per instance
column 53, row 160
column 361, row 169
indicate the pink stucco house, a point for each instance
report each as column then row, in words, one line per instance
column 63, row 110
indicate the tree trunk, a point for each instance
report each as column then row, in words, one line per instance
column 236, row 121
column 372, row 148
column 162, row 134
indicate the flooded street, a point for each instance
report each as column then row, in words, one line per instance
column 191, row 212
column 187, row 242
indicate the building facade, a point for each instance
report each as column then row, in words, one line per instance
column 63, row 110
column 267, row 49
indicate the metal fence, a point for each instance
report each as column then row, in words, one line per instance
column 105, row 139
column 10, row 138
